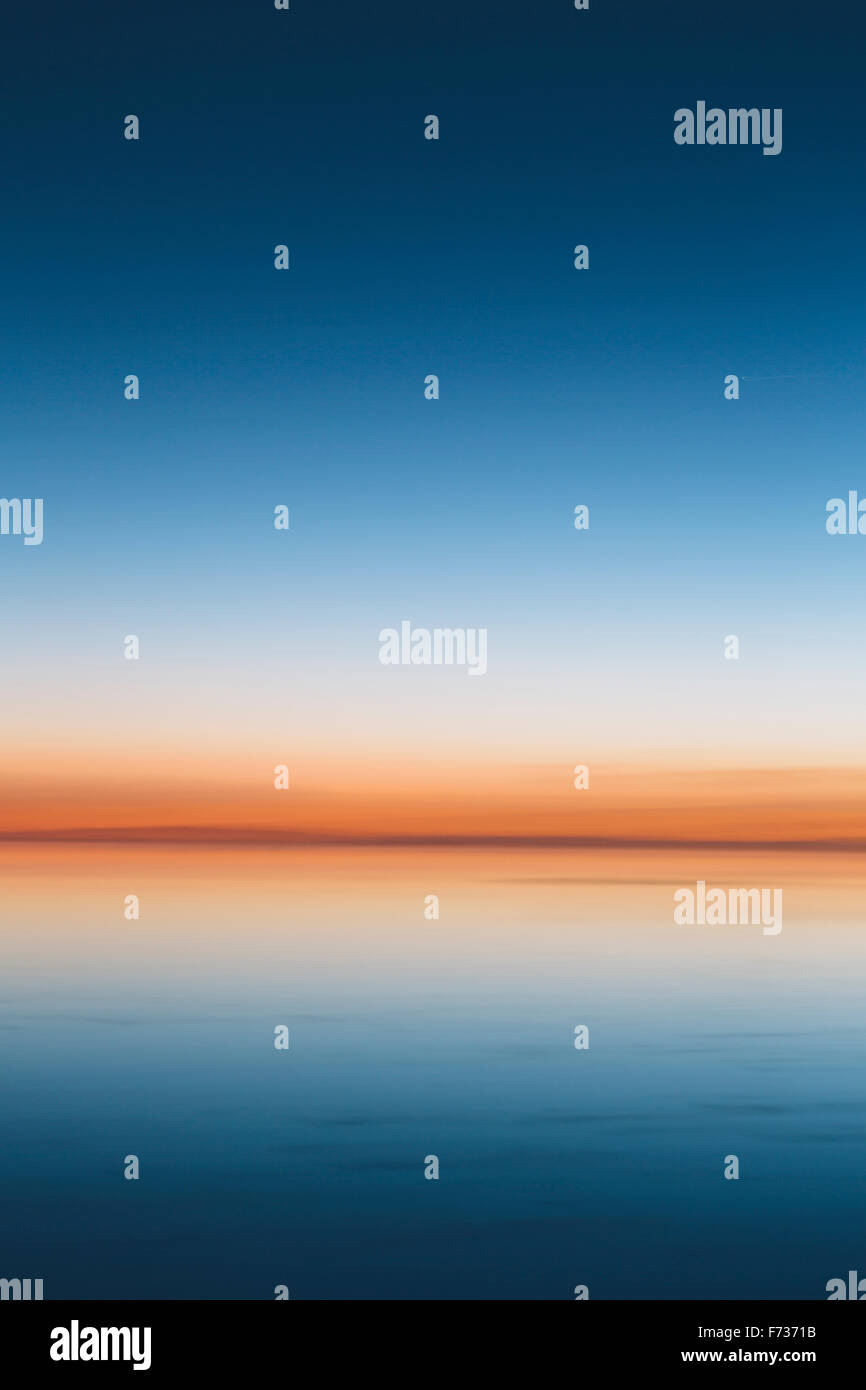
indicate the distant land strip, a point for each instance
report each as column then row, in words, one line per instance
column 243, row 835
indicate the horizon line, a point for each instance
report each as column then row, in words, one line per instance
column 240, row 836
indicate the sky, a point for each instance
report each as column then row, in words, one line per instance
column 306, row 388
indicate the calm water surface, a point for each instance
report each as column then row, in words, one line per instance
column 412, row 1038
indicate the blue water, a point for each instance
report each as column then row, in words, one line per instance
column 557, row 1167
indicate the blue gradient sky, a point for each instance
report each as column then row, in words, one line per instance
column 410, row 257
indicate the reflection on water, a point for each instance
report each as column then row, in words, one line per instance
column 413, row 1037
